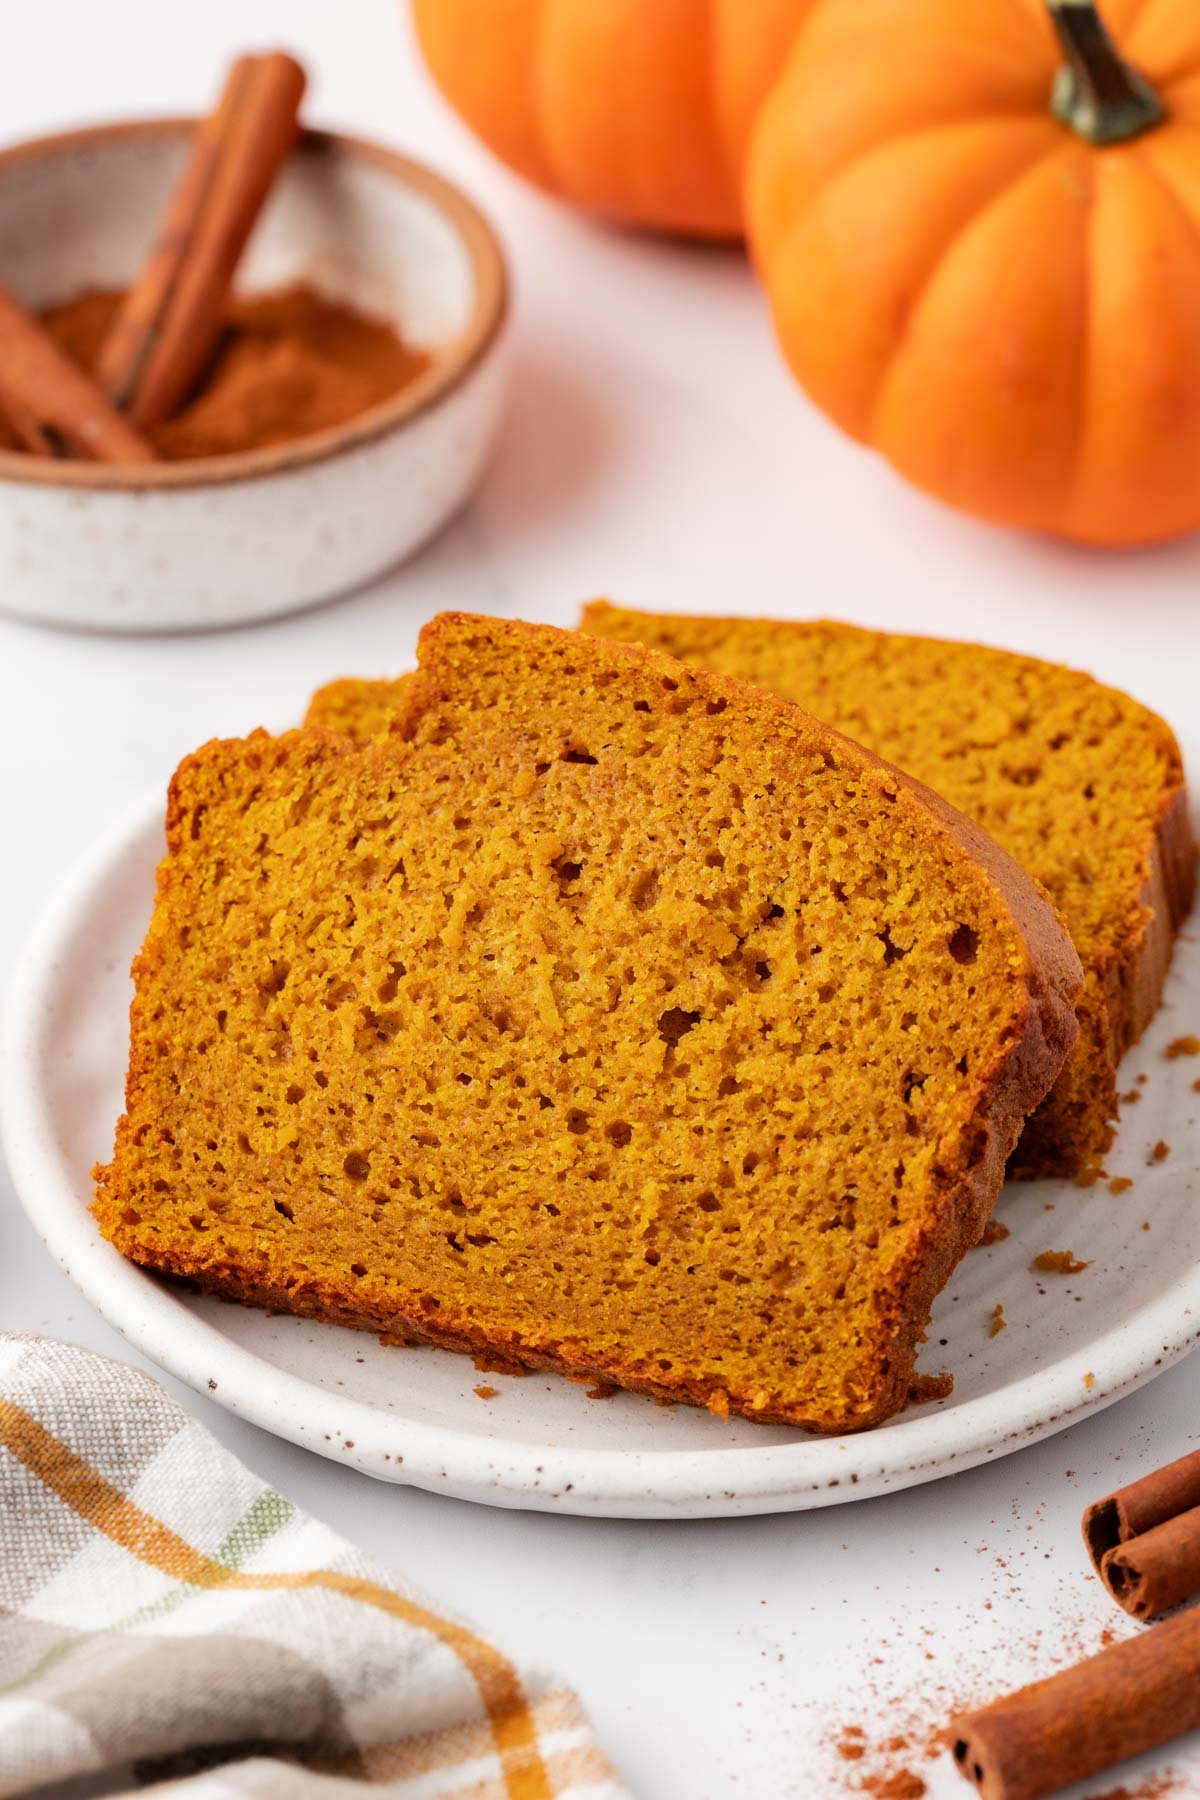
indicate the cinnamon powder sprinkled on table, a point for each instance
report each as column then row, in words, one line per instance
column 1059, row 1262
column 901, row 1784
column 885, row 1778
column 1155, row 1787
column 880, row 1714
column 887, row 1751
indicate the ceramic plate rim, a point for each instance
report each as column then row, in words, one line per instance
column 675, row 1483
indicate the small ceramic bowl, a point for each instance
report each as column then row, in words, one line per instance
column 223, row 540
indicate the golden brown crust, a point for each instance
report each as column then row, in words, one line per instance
column 1124, row 991
column 1165, row 902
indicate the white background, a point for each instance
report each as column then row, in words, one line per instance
column 654, row 450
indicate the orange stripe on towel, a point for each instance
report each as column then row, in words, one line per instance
column 88, row 1494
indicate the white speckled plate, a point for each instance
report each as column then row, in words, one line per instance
column 1072, row 1343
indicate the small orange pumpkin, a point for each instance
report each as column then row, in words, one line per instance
column 979, row 226
column 639, row 109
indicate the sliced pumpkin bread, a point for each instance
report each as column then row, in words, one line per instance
column 606, row 1014
column 1080, row 783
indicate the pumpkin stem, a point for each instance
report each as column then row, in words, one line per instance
column 1096, row 92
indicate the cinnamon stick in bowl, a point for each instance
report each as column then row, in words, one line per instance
column 169, row 324
column 1144, row 1540
column 1128, row 1699
column 55, row 409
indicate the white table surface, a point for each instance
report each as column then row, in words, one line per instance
column 655, row 451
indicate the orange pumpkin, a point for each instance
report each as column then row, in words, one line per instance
column 639, row 109
column 979, row 226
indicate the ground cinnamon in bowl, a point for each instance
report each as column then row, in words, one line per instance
column 289, row 363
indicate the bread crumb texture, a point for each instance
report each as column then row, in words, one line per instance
column 1059, row 1262
column 1083, row 786
column 604, row 1015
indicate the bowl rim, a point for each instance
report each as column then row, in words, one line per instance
column 447, row 371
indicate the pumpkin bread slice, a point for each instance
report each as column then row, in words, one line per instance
column 607, row 1015
column 1081, row 784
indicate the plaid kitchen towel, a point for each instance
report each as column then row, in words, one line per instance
column 167, row 1619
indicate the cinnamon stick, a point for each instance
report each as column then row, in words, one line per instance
column 1156, row 1570
column 55, row 409
column 1129, row 1698
column 170, row 321
column 1142, row 1505
column 1144, row 1540
column 36, row 437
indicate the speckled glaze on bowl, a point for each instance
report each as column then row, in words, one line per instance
column 223, row 540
